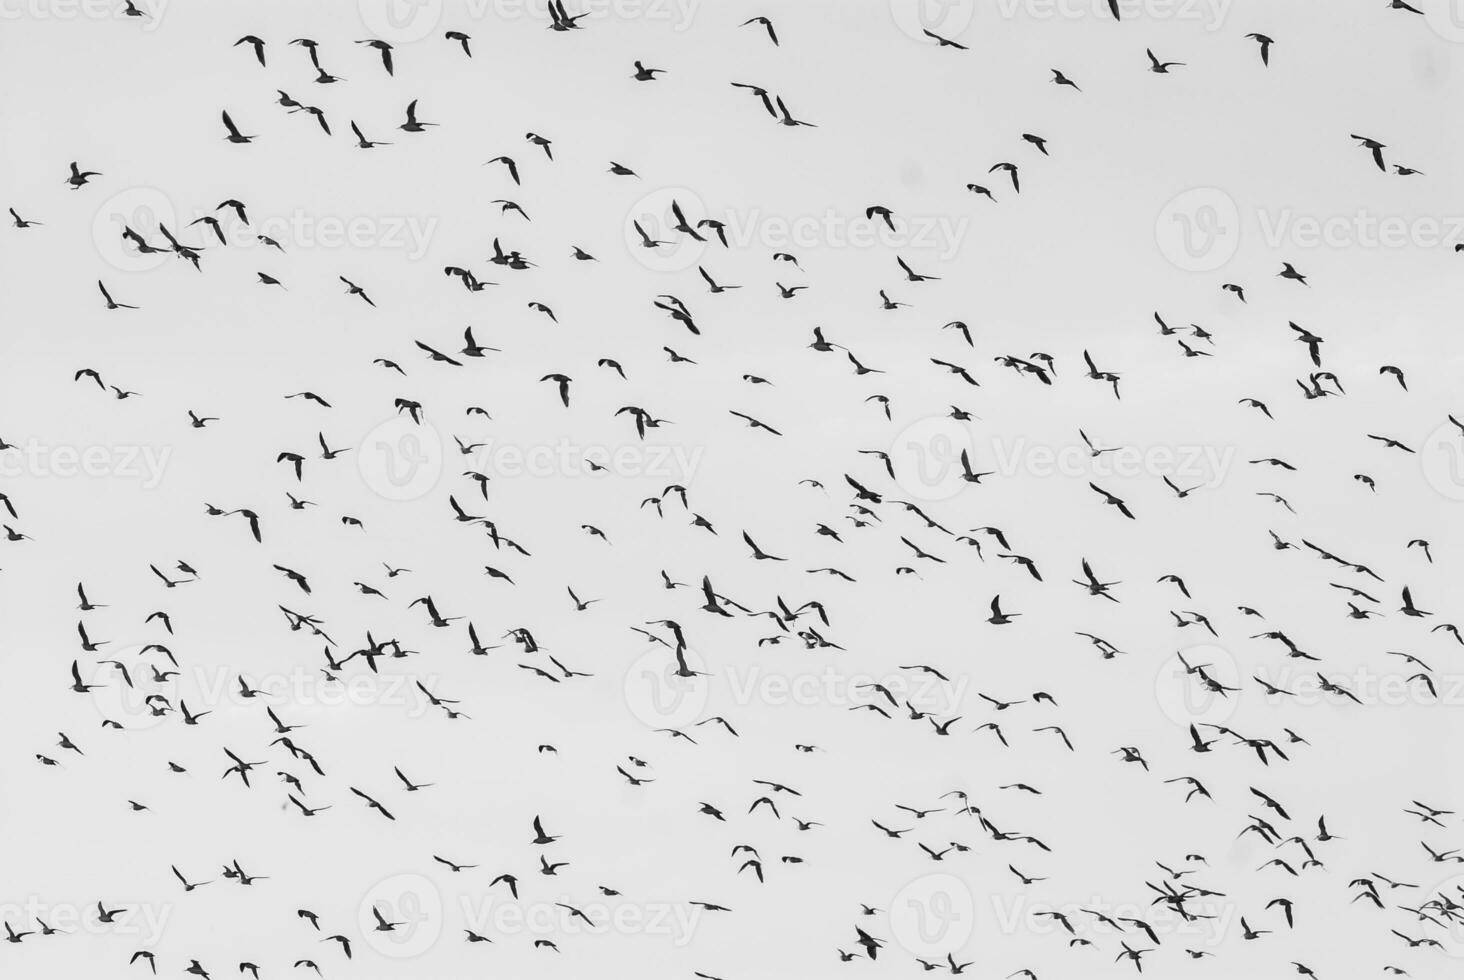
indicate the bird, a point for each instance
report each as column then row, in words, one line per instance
column 1112, row 501
column 1161, row 67
column 354, row 290
column 79, row 178
column 563, row 382
column 1375, row 148
column 1265, row 45
column 999, row 618
column 1058, row 78
column 256, row 44
column 361, row 141
column 943, row 42
column 234, row 136
column 766, row 25
column 111, row 303
column 385, row 50
column 412, row 125
column 730, row 718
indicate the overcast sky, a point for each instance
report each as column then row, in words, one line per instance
column 1153, row 192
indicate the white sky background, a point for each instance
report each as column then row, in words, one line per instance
column 1080, row 260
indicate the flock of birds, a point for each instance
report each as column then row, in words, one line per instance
column 794, row 610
